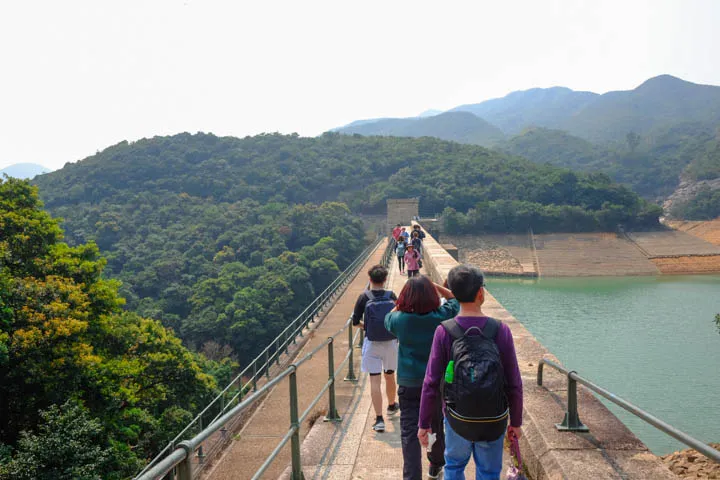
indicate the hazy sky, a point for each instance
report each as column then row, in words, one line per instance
column 78, row 76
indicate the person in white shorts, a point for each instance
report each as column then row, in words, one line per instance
column 380, row 348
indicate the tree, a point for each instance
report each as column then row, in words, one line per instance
column 633, row 141
column 64, row 338
column 68, row 444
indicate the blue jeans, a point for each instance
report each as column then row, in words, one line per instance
column 487, row 455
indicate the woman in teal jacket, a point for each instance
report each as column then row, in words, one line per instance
column 413, row 321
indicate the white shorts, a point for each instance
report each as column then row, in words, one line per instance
column 378, row 357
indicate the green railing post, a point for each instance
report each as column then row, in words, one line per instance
column 267, row 362
column 184, row 468
column 172, row 475
column 297, row 473
column 200, row 453
column 255, row 372
column 332, row 413
column 571, row 422
column 351, row 366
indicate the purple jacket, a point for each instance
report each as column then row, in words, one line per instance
column 440, row 356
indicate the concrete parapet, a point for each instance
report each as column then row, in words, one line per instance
column 451, row 249
column 608, row 451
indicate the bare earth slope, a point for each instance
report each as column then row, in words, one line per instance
column 708, row 231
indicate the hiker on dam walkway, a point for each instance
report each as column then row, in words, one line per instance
column 400, row 252
column 380, row 347
column 413, row 321
column 473, row 356
column 396, row 232
column 412, row 260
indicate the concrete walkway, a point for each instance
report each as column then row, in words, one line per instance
column 351, row 449
column 270, row 422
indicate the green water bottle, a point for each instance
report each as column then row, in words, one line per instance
column 450, row 372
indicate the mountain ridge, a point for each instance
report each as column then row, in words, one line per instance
column 24, row 170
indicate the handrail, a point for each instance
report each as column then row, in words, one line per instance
column 572, row 421
column 261, row 364
column 181, row 457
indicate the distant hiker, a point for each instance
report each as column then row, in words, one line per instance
column 396, row 232
column 400, row 252
column 421, row 233
column 380, row 348
column 475, row 356
column 418, row 313
column 405, row 234
column 417, row 243
column 412, row 259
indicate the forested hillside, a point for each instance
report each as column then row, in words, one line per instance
column 647, row 138
column 182, row 218
column 223, row 240
column 651, row 166
column 87, row 391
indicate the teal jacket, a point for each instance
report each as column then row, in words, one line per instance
column 415, row 333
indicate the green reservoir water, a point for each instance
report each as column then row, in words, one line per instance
column 650, row 340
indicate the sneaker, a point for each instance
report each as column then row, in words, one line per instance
column 379, row 425
column 435, row 472
column 393, row 409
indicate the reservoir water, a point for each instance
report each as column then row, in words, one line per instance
column 650, row 340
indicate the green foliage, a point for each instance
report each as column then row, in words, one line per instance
column 706, row 165
column 64, row 336
column 68, row 445
column 704, row 206
column 178, row 216
column 717, row 321
column 650, row 165
column 516, row 216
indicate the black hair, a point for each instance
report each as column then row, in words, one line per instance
column 378, row 274
column 465, row 281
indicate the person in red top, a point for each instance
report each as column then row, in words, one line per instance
column 396, row 232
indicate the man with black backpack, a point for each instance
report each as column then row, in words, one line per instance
column 473, row 362
column 380, row 348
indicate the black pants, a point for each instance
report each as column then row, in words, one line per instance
column 411, row 448
column 412, row 273
column 401, row 262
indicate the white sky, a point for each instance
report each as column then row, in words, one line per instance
column 78, row 76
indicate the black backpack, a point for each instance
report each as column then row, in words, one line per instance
column 375, row 310
column 475, row 403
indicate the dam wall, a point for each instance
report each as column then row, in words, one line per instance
column 592, row 254
column 608, row 451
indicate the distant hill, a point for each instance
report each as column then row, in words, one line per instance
column 430, row 113
column 543, row 107
column 658, row 103
column 653, row 167
column 24, row 170
column 462, row 127
column 558, row 148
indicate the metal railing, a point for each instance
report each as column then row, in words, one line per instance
column 572, row 423
column 247, row 380
column 181, row 458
